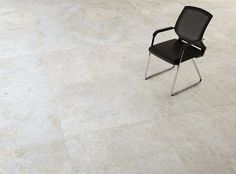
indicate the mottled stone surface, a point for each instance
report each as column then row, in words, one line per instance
column 73, row 99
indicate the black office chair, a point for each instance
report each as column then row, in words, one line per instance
column 190, row 27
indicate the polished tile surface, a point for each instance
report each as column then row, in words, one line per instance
column 74, row 100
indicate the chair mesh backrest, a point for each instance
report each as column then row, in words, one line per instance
column 192, row 23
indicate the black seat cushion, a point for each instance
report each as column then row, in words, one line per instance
column 170, row 51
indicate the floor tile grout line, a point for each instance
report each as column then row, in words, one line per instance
column 171, row 145
column 205, row 109
column 112, row 127
column 58, row 118
column 133, row 6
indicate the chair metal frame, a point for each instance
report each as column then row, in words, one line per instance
column 178, row 65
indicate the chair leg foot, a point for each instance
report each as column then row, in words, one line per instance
column 195, row 84
column 148, row 77
column 177, row 92
column 159, row 73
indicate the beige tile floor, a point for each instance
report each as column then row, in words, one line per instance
column 74, row 100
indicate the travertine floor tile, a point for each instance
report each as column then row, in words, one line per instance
column 73, row 98
column 31, row 138
column 135, row 148
column 204, row 140
column 101, row 104
column 43, row 158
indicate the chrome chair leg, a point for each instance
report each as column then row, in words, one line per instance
column 149, row 57
column 195, row 65
column 173, row 86
column 148, row 77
